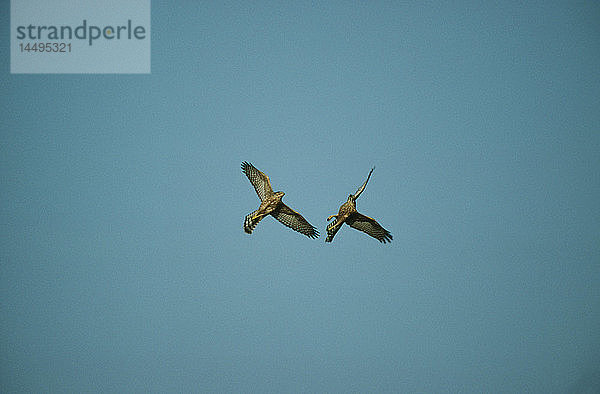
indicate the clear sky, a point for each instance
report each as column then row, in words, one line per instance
column 124, row 266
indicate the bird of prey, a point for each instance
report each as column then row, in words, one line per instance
column 349, row 215
column 271, row 204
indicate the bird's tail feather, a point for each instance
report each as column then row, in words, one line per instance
column 332, row 229
column 251, row 221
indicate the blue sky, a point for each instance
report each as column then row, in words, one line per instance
column 124, row 265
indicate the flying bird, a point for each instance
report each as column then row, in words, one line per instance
column 349, row 215
column 271, row 204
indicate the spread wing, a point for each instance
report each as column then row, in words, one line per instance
column 360, row 189
column 370, row 226
column 259, row 180
column 292, row 219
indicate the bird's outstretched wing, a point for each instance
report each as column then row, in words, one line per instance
column 370, row 226
column 360, row 189
column 259, row 180
column 292, row 219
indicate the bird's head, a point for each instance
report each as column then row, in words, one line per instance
column 352, row 200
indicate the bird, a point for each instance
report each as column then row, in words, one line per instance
column 271, row 204
column 349, row 215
